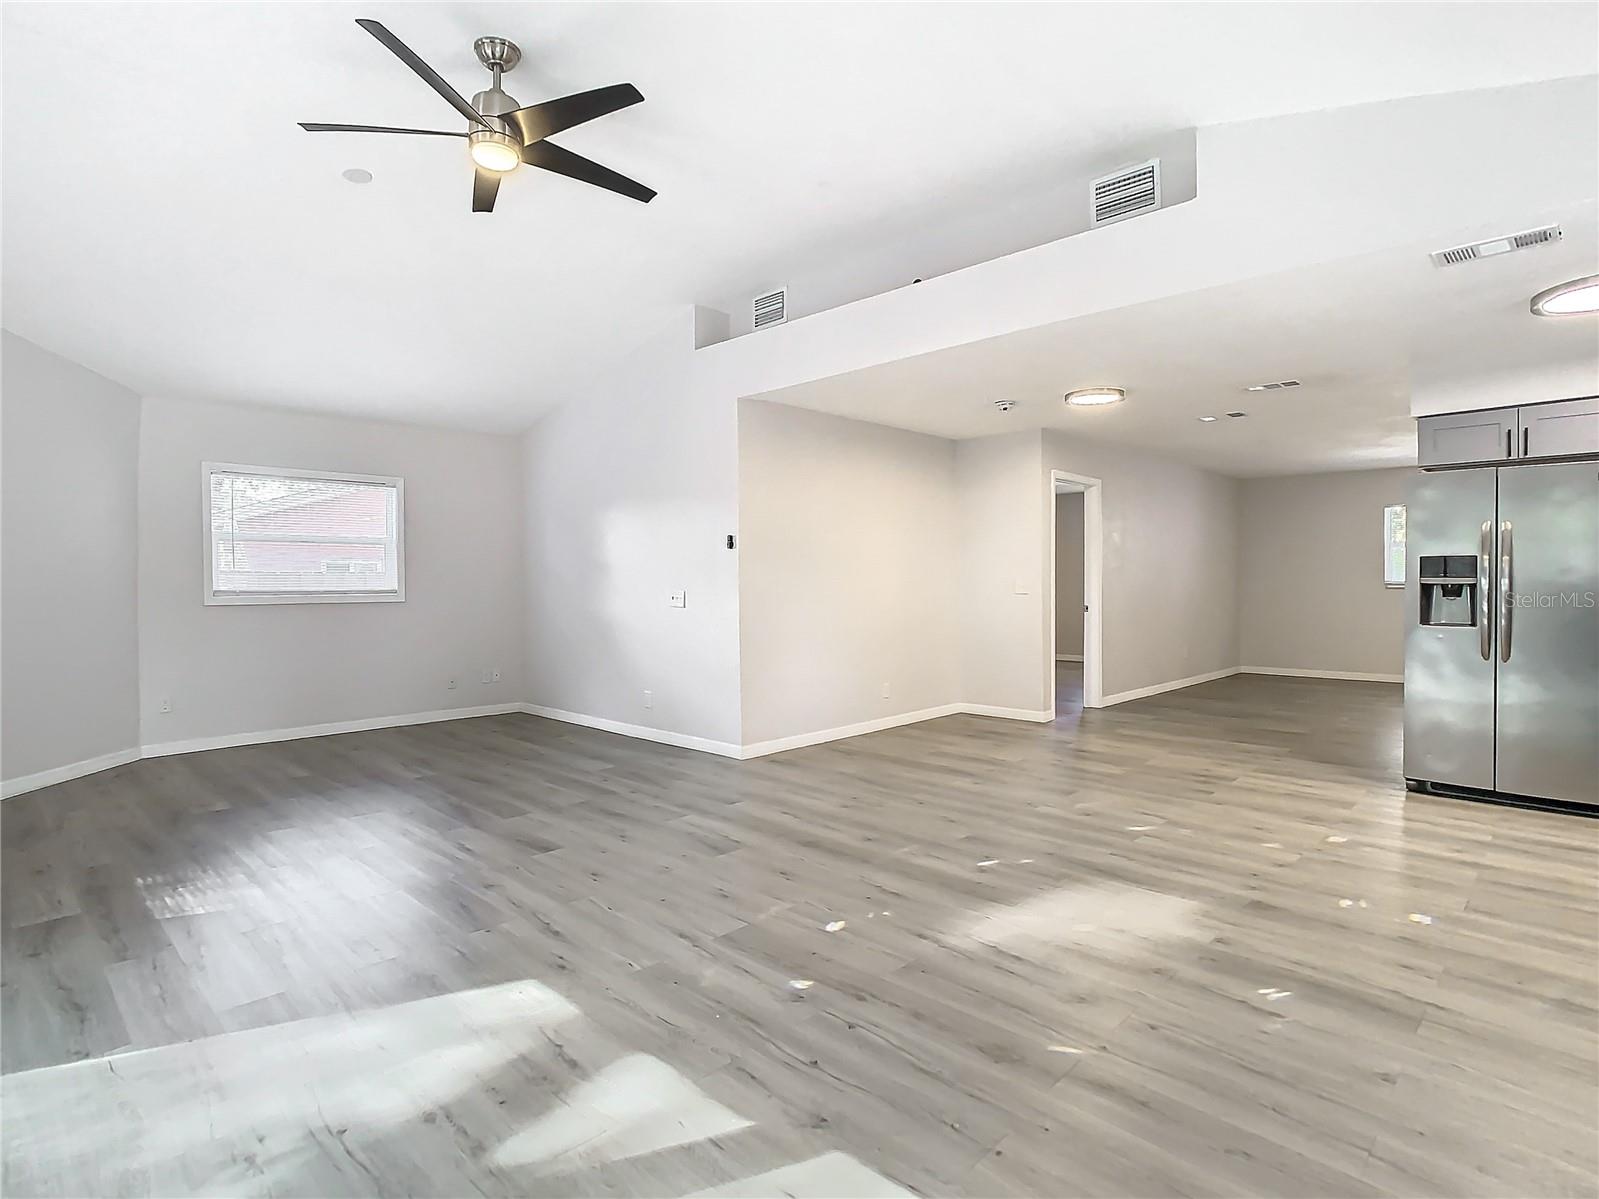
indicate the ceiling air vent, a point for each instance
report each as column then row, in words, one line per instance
column 1125, row 193
column 771, row 307
column 1492, row 246
column 1280, row 385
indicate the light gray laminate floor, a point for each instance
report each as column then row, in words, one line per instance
column 1201, row 944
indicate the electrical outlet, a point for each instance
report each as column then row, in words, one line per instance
column 678, row 599
column 885, row 690
column 649, row 699
column 451, row 685
column 166, row 705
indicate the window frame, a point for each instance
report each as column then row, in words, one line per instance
column 214, row 598
column 1387, row 548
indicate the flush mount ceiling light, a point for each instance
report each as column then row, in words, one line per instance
column 1094, row 397
column 1578, row 297
column 1208, row 420
column 356, row 175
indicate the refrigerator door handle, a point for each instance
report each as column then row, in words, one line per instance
column 1506, row 588
column 1485, row 615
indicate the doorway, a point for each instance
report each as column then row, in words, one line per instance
column 1075, row 665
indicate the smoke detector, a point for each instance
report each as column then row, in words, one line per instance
column 1004, row 405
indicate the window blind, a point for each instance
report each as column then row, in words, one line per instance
column 293, row 535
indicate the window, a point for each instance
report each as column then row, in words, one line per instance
column 278, row 536
column 1393, row 545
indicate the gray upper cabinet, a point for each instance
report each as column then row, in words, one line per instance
column 1560, row 430
column 1461, row 437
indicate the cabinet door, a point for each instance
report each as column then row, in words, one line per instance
column 1462, row 437
column 1560, row 430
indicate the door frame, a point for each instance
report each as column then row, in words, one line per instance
column 1093, row 587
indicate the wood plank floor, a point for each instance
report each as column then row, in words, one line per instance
column 1201, row 944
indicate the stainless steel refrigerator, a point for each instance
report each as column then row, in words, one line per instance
column 1502, row 645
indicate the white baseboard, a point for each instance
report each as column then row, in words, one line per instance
column 1122, row 697
column 62, row 774
column 230, row 740
column 1068, row 657
column 65, row 774
column 759, row 749
column 1355, row 676
column 1037, row 716
column 725, row 749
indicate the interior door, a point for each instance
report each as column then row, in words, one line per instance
column 1549, row 631
column 1449, row 669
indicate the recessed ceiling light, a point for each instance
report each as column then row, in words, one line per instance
column 357, row 175
column 1209, row 420
column 1093, row 397
column 1576, row 298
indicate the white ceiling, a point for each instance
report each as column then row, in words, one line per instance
column 1353, row 332
column 167, row 224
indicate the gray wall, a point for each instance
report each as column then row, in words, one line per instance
column 1069, row 598
column 1313, row 598
column 846, row 571
column 1171, row 563
column 70, row 562
column 257, row 668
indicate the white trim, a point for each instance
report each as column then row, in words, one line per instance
column 758, row 749
column 1353, row 676
column 229, row 740
column 1068, row 657
column 1093, row 589
column 1040, row 716
column 1121, row 697
column 226, row 599
column 64, row 774
column 724, row 749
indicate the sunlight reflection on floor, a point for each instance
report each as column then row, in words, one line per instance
column 1113, row 919
column 378, row 1102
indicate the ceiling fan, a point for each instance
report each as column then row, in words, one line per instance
column 501, row 135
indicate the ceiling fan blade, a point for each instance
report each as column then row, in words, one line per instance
column 433, row 78
column 540, row 120
column 551, row 157
column 485, row 186
column 319, row 127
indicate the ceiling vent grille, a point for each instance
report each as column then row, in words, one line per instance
column 1280, row 385
column 1493, row 246
column 771, row 308
column 1125, row 193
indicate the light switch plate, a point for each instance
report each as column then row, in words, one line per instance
column 679, row 599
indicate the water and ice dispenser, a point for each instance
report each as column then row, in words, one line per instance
column 1449, row 589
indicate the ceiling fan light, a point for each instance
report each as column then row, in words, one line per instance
column 1574, row 298
column 495, row 151
column 1093, row 397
